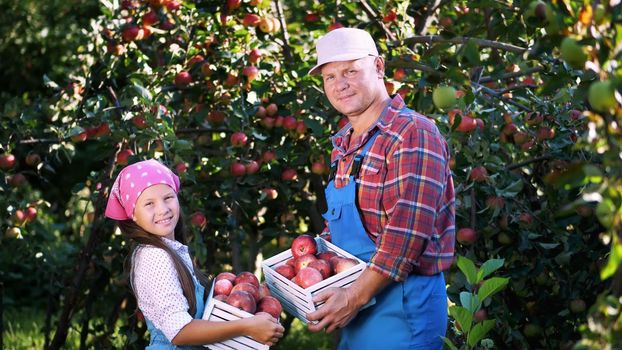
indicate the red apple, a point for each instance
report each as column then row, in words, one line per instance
column 301, row 127
column 33, row 159
column 194, row 60
column 253, row 57
column 81, row 137
column 198, row 219
column 326, row 255
column 479, row 174
column 308, row 277
column 289, row 174
column 323, row 266
column 150, row 18
column 342, row 264
column 238, row 139
column 216, row 117
column 390, row 16
column 272, row 109
column 223, row 287
column 466, row 236
column 303, row 261
column 221, row 297
column 247, row 287
column 234, row 4
column 247, row 277
column 226, row 275
column 182, row 79
column 250, row 72
column 268, row 156
column 173, row 5
column 31, row 214
column 270, row 193
column 242, row 300
column 264, row 291
column 289, row 122
column 7, row 161
column 334, row 25
column 270, row 305
column 252, row 167
column 123, row 156
column 251, row 20
column 261, row 112
column 237, row 169
column 318, row 168
column 16, row 180
column 19, row 217
column 286, row 271
column 131, row 33
column 495, row 202
column 303, row 244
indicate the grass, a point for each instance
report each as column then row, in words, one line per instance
column 23, row 330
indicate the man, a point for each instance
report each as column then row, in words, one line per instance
column 390, row 202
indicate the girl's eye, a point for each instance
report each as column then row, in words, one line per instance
column 148, row 204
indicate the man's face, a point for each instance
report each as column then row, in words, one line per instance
column 352, row 86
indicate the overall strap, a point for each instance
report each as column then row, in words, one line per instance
column 358, row 160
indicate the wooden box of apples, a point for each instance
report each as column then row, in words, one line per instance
column 233, row 297
column 309, row 267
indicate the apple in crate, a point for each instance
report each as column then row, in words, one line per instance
column 264, row 291
column 247, row 287
column 222, row 287
column 226, row 275
column 303, row 244
column 341, row 264
column 242, row 300
column 286, row 270
column 323, row 266
column 270, row 305
column 326, row 255
column 247, row 277
column 307, row 277
column 221, row 297
column 303, row 261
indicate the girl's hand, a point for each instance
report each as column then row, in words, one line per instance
column 265, row 329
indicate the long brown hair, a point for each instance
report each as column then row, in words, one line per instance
column 138, row 237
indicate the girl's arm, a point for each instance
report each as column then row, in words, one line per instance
column 262, row 328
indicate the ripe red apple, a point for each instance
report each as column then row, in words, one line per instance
column 242, row 300
column 286, row 271
column 289, row 174
column 545, row 133
column 334, row 25
column 226, row 275
column 130, row 33
column 16, row 180
column 308, row 277
column 247, row 287
column 480, row 315
column 234, row 4
column 251, row 20
column 81, row 137
column 390, row 16
column 318, row 168
column 194, row 60
column 264, row 291
column 33, row 159
column 173, row 5
column 252, row 167
column 221, row 297
column 303, row 261
column 323, row 266
column 237, row 169
column 509, row 129
column 479, row 174
column 31, row 214
column 525, row 219
column 150, row 18
column 216, row 117
column 311, row 18
column 198, row 219
column 495, row 202
column 7, row 161
column 270, row 305
column 342, row 264
column 223, row 287
column 247, row 277
column 182, row 79
column 238, row 139
column 253, row 58
column 268, row 156
column 270, row 193
column 19, row 217
column 289, row 122
column 250, row 72
column 326, row 255
column 466, row 236
column 123, row 156
column 139, row 122
column 303, row 244
column 272, row 109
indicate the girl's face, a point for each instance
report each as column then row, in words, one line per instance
column 157, row 211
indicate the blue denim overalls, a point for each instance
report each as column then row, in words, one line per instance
column 407, row 315
column 158, row 339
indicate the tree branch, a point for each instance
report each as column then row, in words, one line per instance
column 372, row 14
column 287, row 50
column 429, row 39
column 528, row 161
column 512, row 75
column 500, row 96
column 404, row 63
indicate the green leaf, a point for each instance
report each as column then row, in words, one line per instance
column 449, row 344
column 144, row 94
column 468, row 269
column 463, row 316
column 491, row 287
column 615, row 258
column 479, row 331
column 489, row 267
column 511, row 190
column 470, row 301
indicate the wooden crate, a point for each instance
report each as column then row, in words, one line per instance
column 296, row 300
column 216, row 310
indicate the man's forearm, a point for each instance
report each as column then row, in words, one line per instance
column 366, row 286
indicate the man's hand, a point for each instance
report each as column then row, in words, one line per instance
column 338, row 310
column 343, row 304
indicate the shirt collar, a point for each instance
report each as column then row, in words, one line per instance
column 383, row 122
column 174, row 244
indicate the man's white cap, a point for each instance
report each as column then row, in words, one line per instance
column 343, row 44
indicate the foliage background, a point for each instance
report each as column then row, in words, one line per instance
column 549, row 206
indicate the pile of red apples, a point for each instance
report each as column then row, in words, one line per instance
column 308, row 266
column 244, row 292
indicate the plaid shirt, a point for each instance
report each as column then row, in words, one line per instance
column 405, row 192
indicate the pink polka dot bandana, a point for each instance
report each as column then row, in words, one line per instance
column 130, row 184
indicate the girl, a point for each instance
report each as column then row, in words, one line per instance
column 170, row 295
